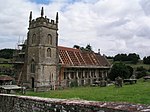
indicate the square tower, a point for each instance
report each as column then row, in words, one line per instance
column 41, row 54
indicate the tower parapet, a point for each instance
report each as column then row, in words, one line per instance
column 43, row 21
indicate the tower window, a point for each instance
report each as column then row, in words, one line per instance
column 48, row 52
column 32, row 66
column 33, row 38
column 49, row 39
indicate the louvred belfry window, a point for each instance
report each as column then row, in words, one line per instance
column 49, row 39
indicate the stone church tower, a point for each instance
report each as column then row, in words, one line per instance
column 41, row 54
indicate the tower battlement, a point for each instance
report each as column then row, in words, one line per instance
column 43, row 21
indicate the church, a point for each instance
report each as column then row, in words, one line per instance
column 46, row 66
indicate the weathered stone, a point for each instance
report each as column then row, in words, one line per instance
column 14, row 103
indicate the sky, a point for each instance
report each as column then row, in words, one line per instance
column 113, row 26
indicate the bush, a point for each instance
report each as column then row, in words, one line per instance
column 141, row 68
column 146, row 60
column 74, row 84
column 119, row 69
column 130, row 70
column 140, row 72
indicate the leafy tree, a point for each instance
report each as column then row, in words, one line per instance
column 88, row 47
column 146, row 60
column 120, row 57
column 119, row 69
column 6, row 53
column 109, row 57
column 76, row 46
column 130, row 70
column 133, row 57
column 140, row 72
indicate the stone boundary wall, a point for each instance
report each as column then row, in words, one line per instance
column 14, row 103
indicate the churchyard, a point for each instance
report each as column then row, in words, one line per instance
column 132, row 93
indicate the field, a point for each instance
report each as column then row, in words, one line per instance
column 135, row 93
column 3, row 63
column 139, row 64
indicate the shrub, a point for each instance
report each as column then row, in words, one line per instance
column 74, row 83
column 119, row 69
column 140, row 72
column 146, row 60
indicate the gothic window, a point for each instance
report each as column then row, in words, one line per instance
column 32, row 67
column 49, row 39
column 33, row 38
column 48, row 52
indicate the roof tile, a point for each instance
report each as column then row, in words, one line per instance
column 77, row 57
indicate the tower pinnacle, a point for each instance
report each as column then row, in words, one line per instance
column 30, row 17
column 57, row 17
column 42, row 12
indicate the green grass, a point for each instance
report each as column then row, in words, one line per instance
column 139, row 65
column 6, row 65
column 136, row 93
column 3, row 59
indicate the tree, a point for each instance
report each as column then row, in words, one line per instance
column 76, row 46
column 120, row 57
column 6, row 53
column 119, row 69
column 140, row 72
column 109, row 57
column 146, row 60
column 133, row 57
column 88, row 47
column 130, row 70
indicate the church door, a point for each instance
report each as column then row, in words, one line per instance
column 32, row 82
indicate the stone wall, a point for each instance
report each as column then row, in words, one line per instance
column 14, row 103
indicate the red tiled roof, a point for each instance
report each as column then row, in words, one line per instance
column 6, row 78
column 76, row 57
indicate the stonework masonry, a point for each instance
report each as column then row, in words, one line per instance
column 41, row 53
column 14, row 103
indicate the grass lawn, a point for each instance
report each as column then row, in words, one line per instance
column 136, row 93
column 146, row 66
column 6, row 65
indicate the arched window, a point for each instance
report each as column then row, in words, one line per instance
column 48, row 52
column 32, row 67
column 49, row 39
column 33, row 38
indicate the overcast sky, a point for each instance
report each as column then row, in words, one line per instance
column 114, row 26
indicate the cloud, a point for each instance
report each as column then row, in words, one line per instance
column 145, row 4
column 119, row 26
